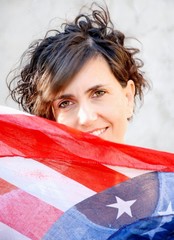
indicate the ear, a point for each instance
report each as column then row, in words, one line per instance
column 130, row 96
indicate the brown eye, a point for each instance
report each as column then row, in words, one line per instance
column 99, row 93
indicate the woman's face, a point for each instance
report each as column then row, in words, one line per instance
column 95, row 102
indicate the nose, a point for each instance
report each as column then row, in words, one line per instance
column 86, row 115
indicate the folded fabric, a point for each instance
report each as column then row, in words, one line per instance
column 59, row 183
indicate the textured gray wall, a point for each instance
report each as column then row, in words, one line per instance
column 150, row 21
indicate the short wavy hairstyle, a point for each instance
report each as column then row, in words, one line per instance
column 54, row 60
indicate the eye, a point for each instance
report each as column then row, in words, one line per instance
column 65, row 104
column 99, row 93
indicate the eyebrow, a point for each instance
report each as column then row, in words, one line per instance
column 65, row 96
column 94, row 88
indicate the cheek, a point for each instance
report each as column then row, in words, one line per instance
column 65, row 118
column 61, row 118
column 116, row 110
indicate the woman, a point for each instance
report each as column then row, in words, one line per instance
column 84, row 77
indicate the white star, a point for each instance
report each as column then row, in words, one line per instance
column 168, row 210
column 152, row 232
column 123, row 206
column 167, row 219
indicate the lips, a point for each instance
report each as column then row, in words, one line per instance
column 98, row 132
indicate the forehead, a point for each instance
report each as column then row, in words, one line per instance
column 95, row 71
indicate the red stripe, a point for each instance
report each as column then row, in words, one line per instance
column 69, row 143
column 5, row 187
column 34, row 144
column 25, row 213
column 94, row 176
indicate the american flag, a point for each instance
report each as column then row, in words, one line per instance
column 59, row 183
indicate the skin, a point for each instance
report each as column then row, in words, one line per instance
column 95, row 102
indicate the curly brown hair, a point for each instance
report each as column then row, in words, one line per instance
column 53, row 61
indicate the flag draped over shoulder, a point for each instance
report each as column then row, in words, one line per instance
column 59, row 183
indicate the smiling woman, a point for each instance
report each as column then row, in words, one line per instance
column 95, row 102
column 67, row 183
column 84, row 77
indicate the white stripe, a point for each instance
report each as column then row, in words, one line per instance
column 43, row 182
column 129, row 172
column 9, row 110
column 8, row 233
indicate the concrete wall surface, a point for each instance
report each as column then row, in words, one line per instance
column 150, row 21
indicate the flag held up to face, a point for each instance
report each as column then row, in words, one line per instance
column 58, row 183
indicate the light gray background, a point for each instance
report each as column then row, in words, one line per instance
column 150, row 21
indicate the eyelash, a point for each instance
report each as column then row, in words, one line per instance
column 99, row 93
column 66, row 103
column 61, row 105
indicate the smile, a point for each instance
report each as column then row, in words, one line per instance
column 98, row 132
